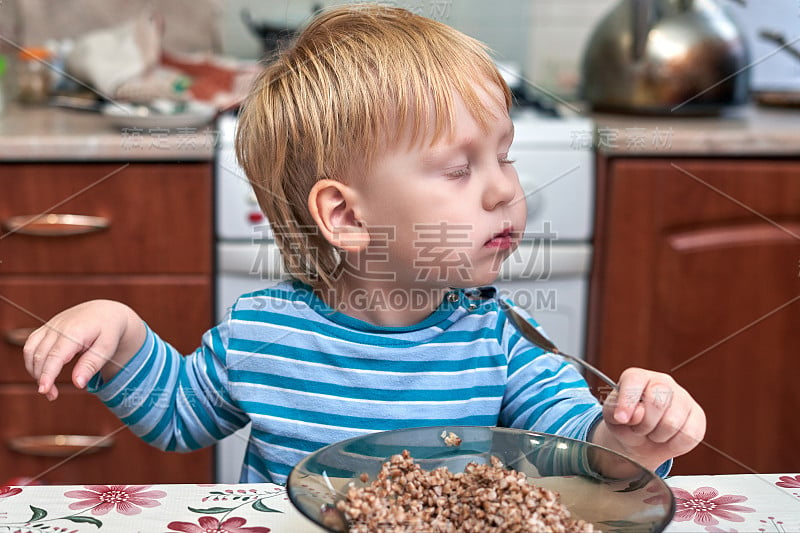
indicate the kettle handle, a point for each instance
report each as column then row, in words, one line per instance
column 641, row 13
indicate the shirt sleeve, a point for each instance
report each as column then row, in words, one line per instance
column 544, row 393
column 174, row 402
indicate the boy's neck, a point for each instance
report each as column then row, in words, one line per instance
column 381, row 303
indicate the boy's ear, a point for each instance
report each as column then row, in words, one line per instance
column 333, row 207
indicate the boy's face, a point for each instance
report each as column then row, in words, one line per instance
column 445, row 215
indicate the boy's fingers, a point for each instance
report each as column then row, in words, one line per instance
column 625, row 403
column 30, row 348
column 40, row 354
column 672, row 424
column 692, row 432
column 52, row 394
column 95, row 357
column 656, row 401
column 50, row 369
column 60, row 353
column 638, row 415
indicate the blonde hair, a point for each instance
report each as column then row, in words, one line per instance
column 355, row 80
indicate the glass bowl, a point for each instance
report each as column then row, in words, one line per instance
column 639, row 502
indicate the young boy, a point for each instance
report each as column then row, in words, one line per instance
column 378, row 148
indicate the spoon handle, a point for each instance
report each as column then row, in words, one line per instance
column 590, row 367
column 529, row 332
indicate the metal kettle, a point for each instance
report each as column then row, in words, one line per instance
column 666, row 56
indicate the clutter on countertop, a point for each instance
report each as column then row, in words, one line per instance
column 127, row 67
column 33, row 75
column 159, row 114
column 106, row 58
column 220, row 81
column 3, row 83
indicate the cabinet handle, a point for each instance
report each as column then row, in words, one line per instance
column 55, row 225
column 60, row 445
column 18, row 336
column 729, row 237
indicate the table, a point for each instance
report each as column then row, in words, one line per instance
column 730, row 503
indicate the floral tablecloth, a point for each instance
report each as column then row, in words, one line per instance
column 736, row 503
column 733, row 503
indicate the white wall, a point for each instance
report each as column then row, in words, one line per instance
column 503, row 25
column 558, row 38
column 772, row 68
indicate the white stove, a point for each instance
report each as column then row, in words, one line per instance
column 548, row 274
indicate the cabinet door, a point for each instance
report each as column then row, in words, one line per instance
column 178, row 308
column 76, row 440
column 697, row 274
column 105, row 218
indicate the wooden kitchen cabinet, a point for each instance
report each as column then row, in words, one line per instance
column 148, row 243
column 34, row 432
column 697, row 274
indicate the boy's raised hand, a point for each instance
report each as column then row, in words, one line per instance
column 650, row 418
column 98, row 331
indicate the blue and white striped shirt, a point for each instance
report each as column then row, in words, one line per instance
column 307, row 376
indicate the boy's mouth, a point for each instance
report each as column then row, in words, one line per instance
column 502, row 240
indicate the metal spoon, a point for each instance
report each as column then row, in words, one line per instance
column 527, row 330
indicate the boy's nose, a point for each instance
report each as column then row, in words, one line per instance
column 500, row 188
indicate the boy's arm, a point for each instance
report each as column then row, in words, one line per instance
column 543, row 392
column 546, row 394
column 103, row 334
column 171, row 401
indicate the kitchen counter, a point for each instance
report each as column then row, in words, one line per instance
column 55, row 134
column 747, row 131
column 748, row 502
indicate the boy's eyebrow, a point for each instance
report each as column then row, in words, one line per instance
column 432, row 153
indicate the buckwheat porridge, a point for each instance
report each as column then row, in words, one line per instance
column 484, row 498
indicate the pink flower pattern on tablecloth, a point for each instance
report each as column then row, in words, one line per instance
column 124, row 499
column 705, row 505
column 789, row 482
column 209, row 523
column 7, row 492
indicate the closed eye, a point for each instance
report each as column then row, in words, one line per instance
column 459, row 172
